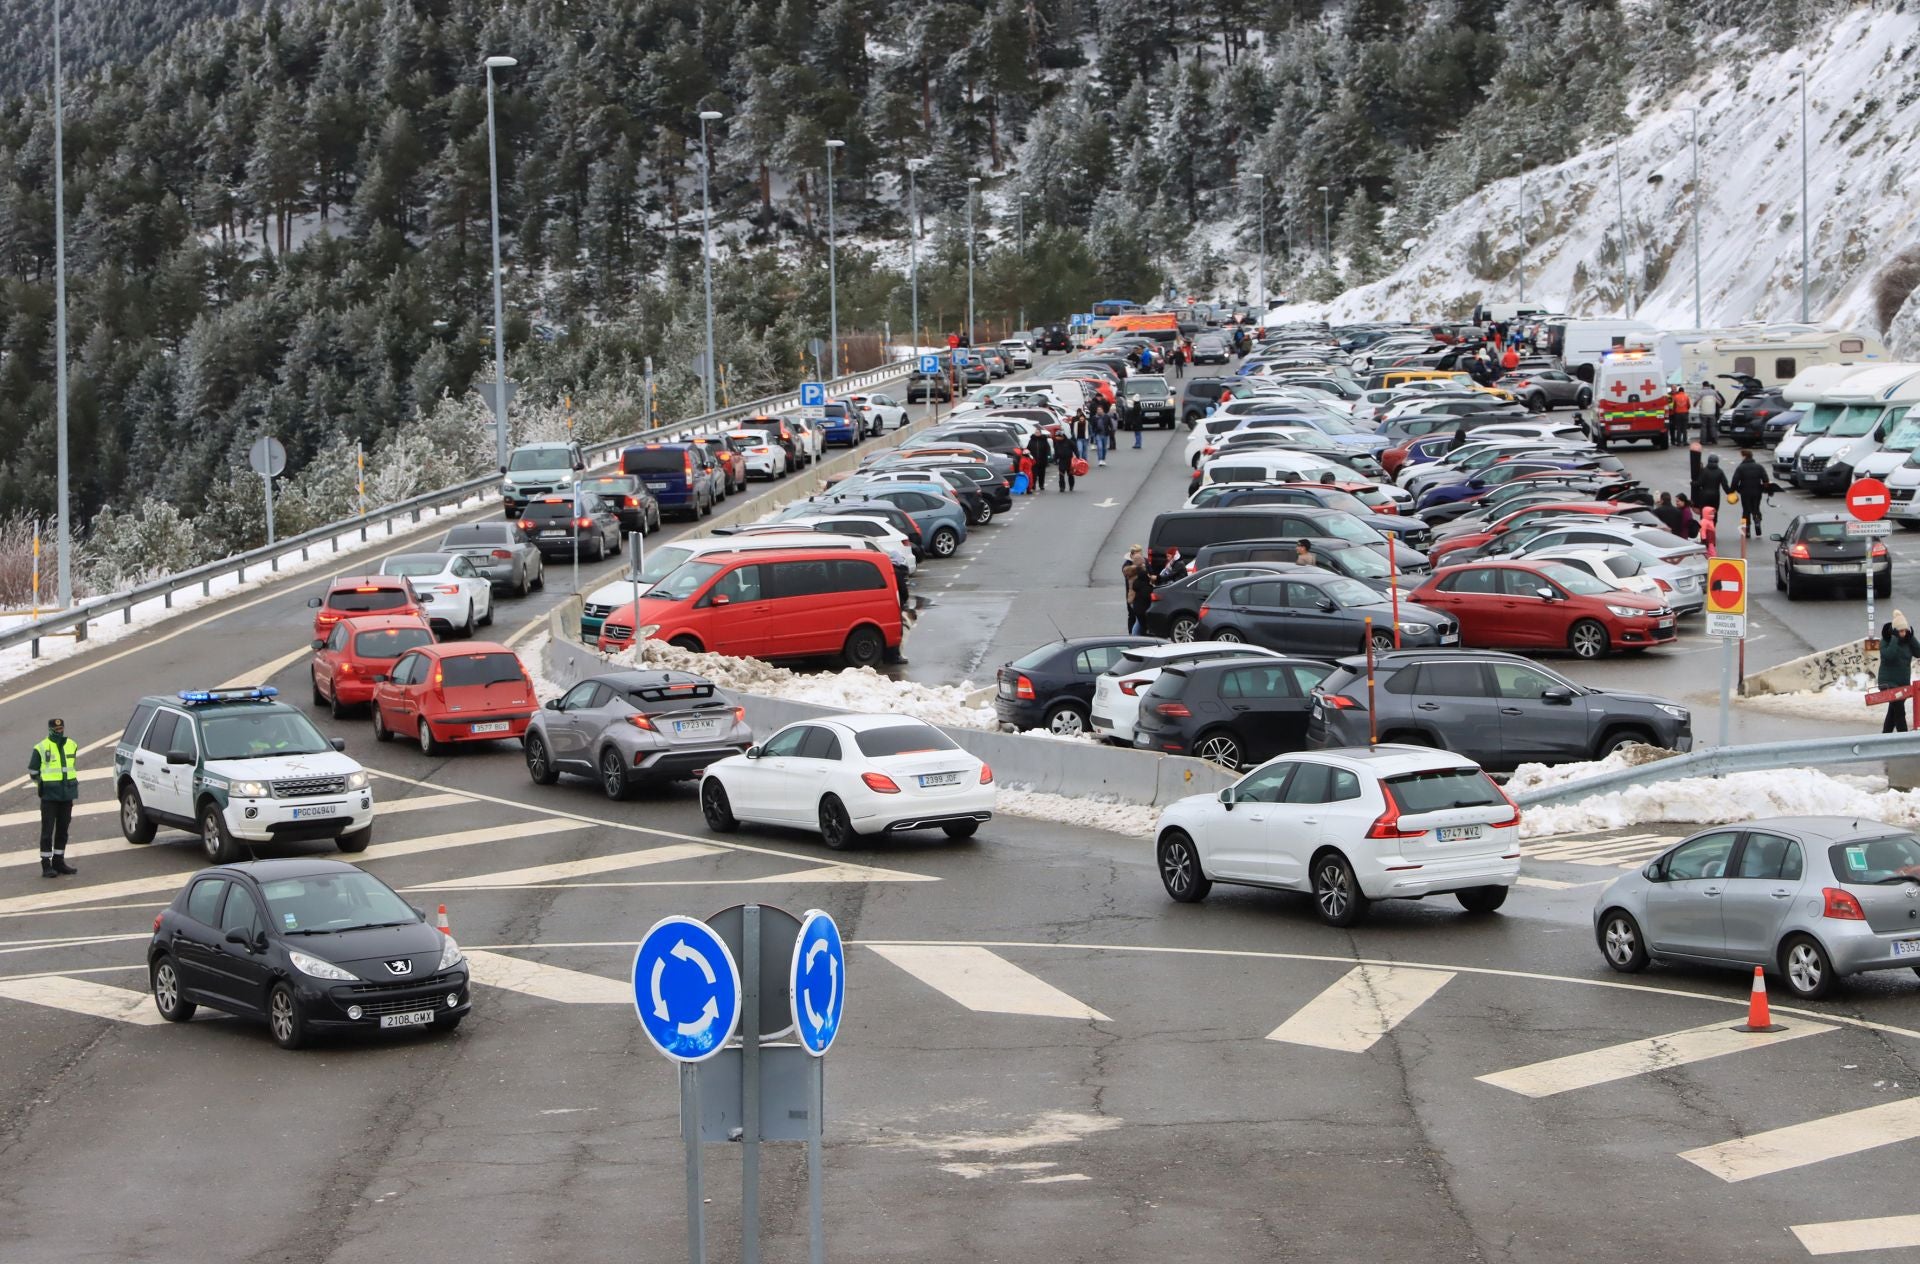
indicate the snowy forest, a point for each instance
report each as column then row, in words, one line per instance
column 278, row 219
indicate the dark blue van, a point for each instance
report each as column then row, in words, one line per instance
column 683, row 477
column 842, row 424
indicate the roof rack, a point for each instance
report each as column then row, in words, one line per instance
column 253, row 693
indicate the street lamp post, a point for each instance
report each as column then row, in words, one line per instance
column 833, row 280
column 61, row 503
column 1260, row 178
column 499, row 307
column 1801, row 74
column 973, row 183
column 1694, row 111
column 706, row 243
column 1020, row 235
column 1326, row 221
column 913, row 229
column 1522, row 269
column 1620, row 211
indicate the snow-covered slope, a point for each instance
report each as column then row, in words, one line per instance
column 1863, row 136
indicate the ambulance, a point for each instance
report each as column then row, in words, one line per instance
column 1630, row 398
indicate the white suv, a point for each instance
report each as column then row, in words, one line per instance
column 1019, row 354
column 1351, row 825
column 1116, row 691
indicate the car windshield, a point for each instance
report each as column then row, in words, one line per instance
column 902, row 739
column 493, row 668
column 1575, row 580
column 682, row 583
column 416, row 564
column 1350, row 592
column 663, row 561
column 1876, row 861
column 327, row 903
column 1442, row 789
column 1818, row 419
column 1856, row 421
column 1347, row 528
column 255, row 734
column 366, row 598
column 1905, row 436
column 539, row 459
column 389, row 643
column 1363, row 563
column 1146, row 388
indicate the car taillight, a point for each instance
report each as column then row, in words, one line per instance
column 1387, row 824
column 1131, row 688
column 1799, row 550
column 1337, row 701
column 687, row 464
column 502, row 553
column 526, row 524
column 633, row 502
column 1023, row 688
column 157, row 917
column 879, row 783
column 1204, row 612
column 1879, row 549
column 642, row 722
column 451, row 589
column 1674, row 559
column 344, row 669
column 438, row 677
column 986, row 774
column 1664, row 585
column 739, row 715
column 583, row 522
column 1172, row 710
column 1842, row 905
column 1511, row 822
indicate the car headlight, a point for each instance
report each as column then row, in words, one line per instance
column 506, row 489
column 450, row 955
column 1627, row 612
column 357, row 779
column 648, row 629
column 1678, row 713
column 1415, row 629
column 249, row 790
column 319, row 969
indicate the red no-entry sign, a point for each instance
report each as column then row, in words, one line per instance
column 1727, row 586
column 1867, row 500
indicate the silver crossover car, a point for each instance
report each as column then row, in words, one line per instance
column 1811, row 898
column 633, row 728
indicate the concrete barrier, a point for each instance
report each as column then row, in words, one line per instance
column 1814, row 671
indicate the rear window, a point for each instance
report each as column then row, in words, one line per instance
column 368, row 598
column 541, row 511
column 389, row 642
column 480, row 669
column 1831, row 531
column 1446, row 788
column 654, row 461
column 478, row 533
column 680, row 691
column 902, row 739
column 1876, row 861
column 1036, row 658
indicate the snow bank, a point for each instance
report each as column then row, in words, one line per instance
column 1845, row 700
column 1132, row 819
column 1711, row 801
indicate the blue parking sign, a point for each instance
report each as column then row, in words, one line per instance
column 929, row 364
column 813, row 394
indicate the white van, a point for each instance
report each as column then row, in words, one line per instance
column 1873, row 401
column 1581, row 344
column 1807, row 392
column 1269, row 465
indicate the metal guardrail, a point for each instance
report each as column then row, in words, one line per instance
column 74, row 620
column 1819, row 752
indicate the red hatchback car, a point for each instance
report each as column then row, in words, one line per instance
column 476, row 691
column 1459, row 540
column 357, row 654
column 362, row 594
column 1538, row 605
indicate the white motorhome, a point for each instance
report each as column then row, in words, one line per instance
column 1580, row 344
column 1808, row 392
column 1872, row 402
column 1776, row 356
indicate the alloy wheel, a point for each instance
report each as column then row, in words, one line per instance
column 1176, row 867
column 1334, row 896
column 1621, row 941
column 280, row 1015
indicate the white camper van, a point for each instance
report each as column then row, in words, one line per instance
column 1808, row 392
column 1872, row 402
column 1777, row 355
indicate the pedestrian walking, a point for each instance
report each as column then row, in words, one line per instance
column 1064, row 456
column 1135, row 559
column 50, row 766
column 1081, row 432
column 1134, row 421
column 1026, row 471
column 1709, row 404
column 1710, row 531
column 1689, row 520
column 1510, row 358
column 1102, row 430
column 1896, row 668
column 1669, row 514
column 1140, row 595
column 1040, row 448
column 1679, row 414
column 1709, row 487
column 1749, row 484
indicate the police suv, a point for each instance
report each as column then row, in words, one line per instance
column 235, row 767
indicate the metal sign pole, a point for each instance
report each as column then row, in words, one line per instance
column 268, row 479
column 579, row 511
column 1726, row 685
column 750, row 1084
column 816, row 1232
column 690, row 1132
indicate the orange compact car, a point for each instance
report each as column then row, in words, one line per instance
column 362, row 594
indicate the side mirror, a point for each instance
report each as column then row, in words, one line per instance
column 1228, row 798
column 721, row 599
column 319, row 645
column 1326, row 605
column 418, row 911
column 503, row 469
column 553, row 704
column 338, row 743
column 179, row 759
column 1557, row 697
column 1546, row 594
column 1776, row 536
column 240, row 935
column 313, row 603
column 752, row 752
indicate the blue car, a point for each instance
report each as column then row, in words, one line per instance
column 841, row 424
column 1491, row 477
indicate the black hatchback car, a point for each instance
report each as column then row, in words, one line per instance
column 628, row 497
column 554, row 523
column 307, row 946
column 1052, row 687
column 1234, row 711
column 1815, row 554
column 1750, row 423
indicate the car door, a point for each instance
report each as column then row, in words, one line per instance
column 573, row 725
column 396, row 697
column 1684, row 905
column 1319, row 625
column 1451, row 700
column 196, row 935
column 754, row 785
column 1257, row 611
column 1472, row 598
column 1526, row 617
column 1268, row 709
column 240, row 974
column 1535, row 724
column 326, row 663
column 479, row 591
column 738, row 610
column 1767, row 874
column 1298, row 824
column 1237, row 845
column 159, row 782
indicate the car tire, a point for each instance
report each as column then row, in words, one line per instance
column 716, row 807
column 1382, row 642
column 284, row 1021
column 486, row 620
column 354, row 842
column 983, row 515
column 1793, row 589
column 1336, row 891
column 381, row 733
column 216, row 841
column 524, row 584
column 1805, row 968
column 1779, row 580
column 1179, row 863
column 945, row 542
column 466, row 630
column 836, row 827
column 319, row 699
column 540, row 577
column 1230, row 635
column 1184, row 630
column 1481, row 899
column 960, row 831
column 164, row 979
column 1617, row 738
column 613, row 774
column 1662, row 444
column 1622, row 943
column 429, row 744
column 450, row 1024
column 1221, row 748
column 686, row 643
column 864, row 647
column 135, row 825
column 1587, row 639
column 1883, row 588
column 1583, row 398
column 1536, row 403
column 540, row 767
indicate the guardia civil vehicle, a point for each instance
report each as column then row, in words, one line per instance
column 237, row 766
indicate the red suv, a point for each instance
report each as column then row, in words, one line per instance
column 1544, row 605
column 362, row 594
column 477, row 691
column 355, row 656
column 799, row 603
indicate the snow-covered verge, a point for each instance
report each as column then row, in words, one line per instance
column 1845, row 700
column 1133, row 819
column 1863, row 158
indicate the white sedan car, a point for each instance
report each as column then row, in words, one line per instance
column 764, row 455
column 1117, row 691
column 1350, row 825
column 453, row 593
column 849, row 775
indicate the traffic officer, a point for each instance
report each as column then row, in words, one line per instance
column 51, row 768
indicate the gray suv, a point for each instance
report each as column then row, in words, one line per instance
column 1500, row 710
column 632, row 728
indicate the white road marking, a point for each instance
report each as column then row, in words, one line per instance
column 985, row 982
column 550, row 983
column 64, row 896
column 83, row 996
column 1838, row 1237
column 1817, row 1140
column 1366, row 1004
column 109, row 740
column 538, row 874
column 1056, row 1180
column 1549, row 884
column 974, row 1171
column 42, row 945
column 32, row 815
column 266, row 671
column 1641, row 1057
column 849, row 873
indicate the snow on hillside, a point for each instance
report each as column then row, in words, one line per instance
column 1863, row 173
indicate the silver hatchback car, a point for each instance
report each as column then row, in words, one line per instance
column 632, row 728
column 1811, row 898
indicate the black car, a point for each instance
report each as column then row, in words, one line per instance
column 1411, row 532
column 1541, row 389
column 1211, row 349
column 1749, row 423
column 1319, row 614
column 1054, row 338
column 1052, row 687
column 1342, row 557
column 554, row 523
column 1175, row 609
column 1233, row 711
column 1149, row 401
column 1499, row 709
column 629, row 499
column 928, row 387
column 1815, row 553
column 1197, row 394
column 308, row 946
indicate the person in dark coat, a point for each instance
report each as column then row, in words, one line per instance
column 1129, row 574
column 1897, row 649
column 1459, row 439
column 1709, row 483
column 1140, row 595
column 1669, row 514
column 1749, row 484
column 1064, row 456
column 1040, row 448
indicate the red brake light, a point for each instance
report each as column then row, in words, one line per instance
column 986, row 774
column 453, row 589
column 1023, row 689
column 687, row 461
column 739, row 715
column 438, row 677
column 1204, row 611
column 1512, row 822
column 344, row 669
column 526, row 524
column 1131, row 688
column 641, row 722
column 1842, row 906
column 1879, row 549
column 156, row 918
column 1799, row 550
column 1173, row 710
column 553, row 500
column 502, row 553
column 879, row 783
column 366, row 588
column 1664, row 585
column 1337, row 701
column 585, row 522
column 633, row 502
column 1387, row 824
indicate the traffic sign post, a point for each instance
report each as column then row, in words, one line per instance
column 1868, row 501
column 930, row 364
column 1727, row 619
column 813, row 394
column 268, row 459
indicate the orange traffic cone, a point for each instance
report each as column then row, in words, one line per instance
column 448, row 930
column 1758, row 1017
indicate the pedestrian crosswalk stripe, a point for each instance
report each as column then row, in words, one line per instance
column 32, row 815
column 583, row 868
column 469, row 838
column 849, row 873
column 1839, row 1237
column 1815, row 1141
column 1641, row 1057
column 99, row 892
column 550, row 983
column 84, row 996
column 984, row 982
column 1366, row 1004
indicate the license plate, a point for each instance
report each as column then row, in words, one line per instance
column 417, row 1018
column 1449, row 638
column 552, row 534
column 491, row 726
column 695, row 728
column 1457, row 833
column 1906, row 947
column 1619, row 427
column 324, row 809
column 940, row 779
column 1840, row 568
column 1665, row 624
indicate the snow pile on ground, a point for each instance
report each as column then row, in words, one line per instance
column 1133, row 819
column 1711, row 801
column 1540, row 776
column 1845, row 700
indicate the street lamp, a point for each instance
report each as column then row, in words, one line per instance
column 706, row 242
column 833, row 280
column 65, row 529
column 1523, row 229
column 1260, row 178
column 1326, row 222
column 1694, row 112
column 499, row 308
column 1620, row 225
column 973, row 183
column 913, row 227
column 1801, row 75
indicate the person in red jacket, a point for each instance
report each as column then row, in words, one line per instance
column 1511, row 359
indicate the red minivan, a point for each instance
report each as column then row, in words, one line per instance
column 356, row 655
column 798, row 603
column 476, row 691
column 362, row 594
